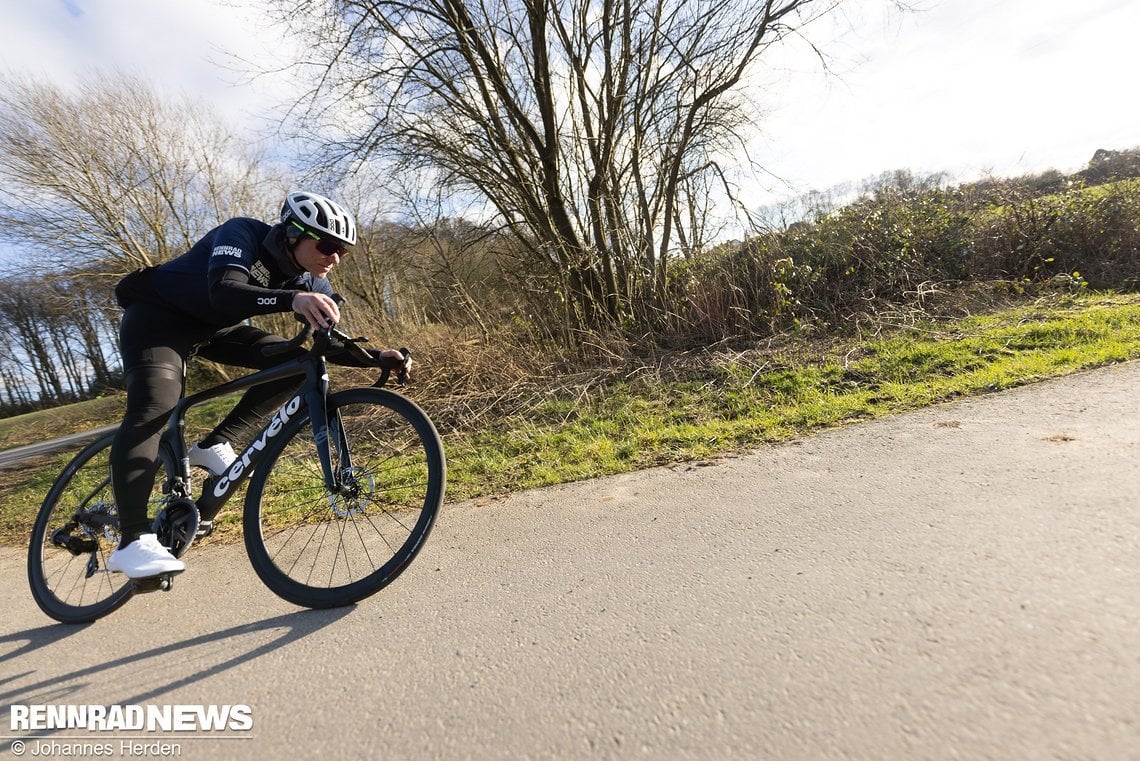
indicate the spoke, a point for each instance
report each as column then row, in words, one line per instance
column 385, row 486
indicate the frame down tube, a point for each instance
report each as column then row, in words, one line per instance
column 219, row 489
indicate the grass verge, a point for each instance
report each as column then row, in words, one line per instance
column 714, row 403
column 698, row 405
column 49, row 424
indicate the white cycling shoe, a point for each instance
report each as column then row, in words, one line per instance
column 216, row 459
column 143, row 558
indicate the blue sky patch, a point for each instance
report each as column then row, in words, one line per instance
column 72, row 8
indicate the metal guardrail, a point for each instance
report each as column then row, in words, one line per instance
column 10, row 458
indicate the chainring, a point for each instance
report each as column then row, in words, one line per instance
column 177, row 525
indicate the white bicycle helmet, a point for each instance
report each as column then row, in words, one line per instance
column 319, row 215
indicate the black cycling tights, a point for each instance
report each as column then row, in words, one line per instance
column 155, row 343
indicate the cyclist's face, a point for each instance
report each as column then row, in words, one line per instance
column 313, row 260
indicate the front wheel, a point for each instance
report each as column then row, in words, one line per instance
column 323, row 548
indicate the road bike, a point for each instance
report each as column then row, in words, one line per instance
column 343, row 490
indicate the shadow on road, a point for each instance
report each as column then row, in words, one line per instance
column 157, row 661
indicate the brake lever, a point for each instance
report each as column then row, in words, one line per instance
column 401, row 376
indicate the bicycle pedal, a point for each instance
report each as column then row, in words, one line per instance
column 163, row 582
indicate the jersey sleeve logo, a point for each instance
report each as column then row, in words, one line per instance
column 233, row 251
column 260, row 273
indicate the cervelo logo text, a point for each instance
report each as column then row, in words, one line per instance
column 266, row 301
column 226, row 251
column 242, row 463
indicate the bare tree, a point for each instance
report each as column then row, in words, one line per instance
column 112, row 177
column 59, row 340
column 26, row 318
column 15, row 384
column 99, row 182
column 595, row 128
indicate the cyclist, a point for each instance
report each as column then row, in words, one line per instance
column 197, row 304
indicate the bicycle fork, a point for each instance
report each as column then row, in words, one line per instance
column 328, row 433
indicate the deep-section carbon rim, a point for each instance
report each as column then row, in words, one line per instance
column 321, row 549
column 74, row 532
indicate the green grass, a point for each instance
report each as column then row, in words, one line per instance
column 720, row 404
column 35, row 427
column 48, row 424
column 745, row 402
column 23, row 489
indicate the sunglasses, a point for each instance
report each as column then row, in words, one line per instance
column 330, row 247
column 326, row 246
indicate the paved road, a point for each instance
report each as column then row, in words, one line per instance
column 958, row 583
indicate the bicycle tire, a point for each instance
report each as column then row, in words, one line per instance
column 322, row 550
column 77, row 588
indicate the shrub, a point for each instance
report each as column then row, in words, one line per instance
column 1094, row 232
column 898, row 246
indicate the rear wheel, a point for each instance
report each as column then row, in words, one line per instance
column 76, row 529
column 320, row 548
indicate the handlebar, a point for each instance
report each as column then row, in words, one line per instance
column 330, row 340
column 401, row 366
column 277, row 349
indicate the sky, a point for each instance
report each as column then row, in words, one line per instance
column 966, row 87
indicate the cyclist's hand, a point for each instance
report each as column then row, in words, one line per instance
column 400, row 361
column 318, row 309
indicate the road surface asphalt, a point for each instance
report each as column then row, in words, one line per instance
column 961, row 582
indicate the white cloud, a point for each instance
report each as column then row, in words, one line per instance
column 968, row 86
column 965, row 86
column 180, row 47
